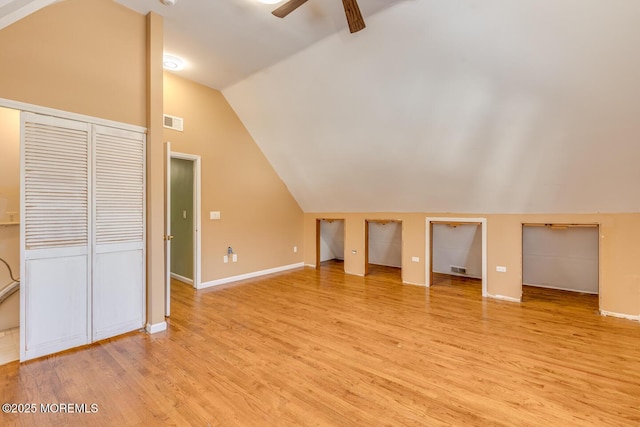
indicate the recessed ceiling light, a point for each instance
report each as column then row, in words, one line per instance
column 269, row 1
column 172, row 62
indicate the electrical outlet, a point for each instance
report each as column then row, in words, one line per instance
column 226, row 259
column 415, row 259
column 295, row 249
column 234, row 258
column 501, row 269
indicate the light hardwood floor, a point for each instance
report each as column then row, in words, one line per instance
column 316, row 347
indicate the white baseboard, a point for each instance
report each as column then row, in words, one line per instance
column 561, row 289
column 156, row 327
column 504, row 298
column 459, row 275
column 250, row 275
column 354, row 274
column 414, row 284
column 182, row 278
column 620, row 315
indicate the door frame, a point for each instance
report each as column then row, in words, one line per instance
column 197, row 225
column 429, row 246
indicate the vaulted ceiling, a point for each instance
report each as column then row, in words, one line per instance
column 459, row 106
column 478, row 106
column 224, row 41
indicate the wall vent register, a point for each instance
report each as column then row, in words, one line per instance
column 173, row 122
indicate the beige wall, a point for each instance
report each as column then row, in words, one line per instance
column 259, row 217
column 82, row 56
column 156, row 292
column 619, row 250
column 97, row 58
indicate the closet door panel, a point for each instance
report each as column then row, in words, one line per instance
column 118, row 275
column 56, row 298
column 54, row 234
column 119, row 218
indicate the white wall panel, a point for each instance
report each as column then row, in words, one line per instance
column 331, row 240
column 561, row 258
column 385, row 243
column 458, row 246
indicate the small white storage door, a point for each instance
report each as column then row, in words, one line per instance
column 119, row 226
column 54, row 235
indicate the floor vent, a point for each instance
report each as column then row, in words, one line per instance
column 459, row 270
column 173, row 122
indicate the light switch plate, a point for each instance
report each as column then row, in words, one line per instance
column 501, row 269
column 415, row 259
column 214, row 215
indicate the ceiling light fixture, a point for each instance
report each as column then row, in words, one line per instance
column 172, row 62
column 269, row 1
column 168, row 2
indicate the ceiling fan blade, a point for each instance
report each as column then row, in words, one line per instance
column 354, row 17
column 288, row 7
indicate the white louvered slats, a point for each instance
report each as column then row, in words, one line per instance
column 56, row 185
column 82, row 234
column 119, row 186
column 118, row 269
column 55, row 234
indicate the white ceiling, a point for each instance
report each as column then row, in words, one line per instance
column 14, row 10
column 225, row 41
column 479, row 106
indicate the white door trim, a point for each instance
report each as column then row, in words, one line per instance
column 167, row 228
column 46, row 111
column 483, row 224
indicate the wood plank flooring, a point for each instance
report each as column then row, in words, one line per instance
column 317, row 347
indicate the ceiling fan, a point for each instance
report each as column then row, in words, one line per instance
column 351, row 9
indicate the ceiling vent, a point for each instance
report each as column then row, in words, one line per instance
column 173, row 122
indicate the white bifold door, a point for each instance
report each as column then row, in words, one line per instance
column 82, row 233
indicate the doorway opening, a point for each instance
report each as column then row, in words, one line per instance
column 330, row 243
column 9, row 235
column 456, row 252
column 183, row 217
column 383, row 248
column 560, row 264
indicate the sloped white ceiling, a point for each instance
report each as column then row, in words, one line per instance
column 12, row 11
column 224, row 41
column 476, row 106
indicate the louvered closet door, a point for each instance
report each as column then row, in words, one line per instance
column 119, row 218
column 54, row 234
